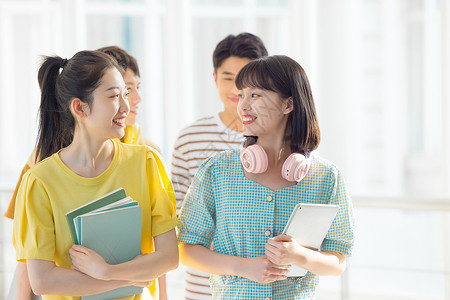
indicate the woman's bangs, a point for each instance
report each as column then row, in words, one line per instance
column 254, row 75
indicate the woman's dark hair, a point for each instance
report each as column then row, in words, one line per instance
column 286, row 77
column 79, row 77
column 125, row 60
column 245, row 45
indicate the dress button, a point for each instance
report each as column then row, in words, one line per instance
column 267, row 298
column 269, row 198
column 267, row 232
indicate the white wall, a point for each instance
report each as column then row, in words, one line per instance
column 379, row 71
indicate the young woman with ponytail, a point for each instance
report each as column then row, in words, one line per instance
column 133, row 135
column 83, row 110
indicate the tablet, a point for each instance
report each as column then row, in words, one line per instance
column 308, row 225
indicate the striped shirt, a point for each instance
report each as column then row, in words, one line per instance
column 197, row 142
column 225, row 210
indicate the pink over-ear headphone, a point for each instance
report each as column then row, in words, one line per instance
column 254, row 160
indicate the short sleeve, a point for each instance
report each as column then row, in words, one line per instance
column 162, row 197
column 12, row 204
column 181, row 177
column 196, row 223
column 33, row 229
column 340, row 237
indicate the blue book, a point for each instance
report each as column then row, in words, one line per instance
column 126, row 202
column 115, row 234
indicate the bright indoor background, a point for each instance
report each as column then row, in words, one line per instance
column 380, row 75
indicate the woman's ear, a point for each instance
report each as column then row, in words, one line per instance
column 79, row 108
column 289, row 106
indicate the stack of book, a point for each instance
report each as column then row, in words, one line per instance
column 111, row 226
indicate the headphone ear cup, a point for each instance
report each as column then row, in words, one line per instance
column 254, row 159
column 295, row 167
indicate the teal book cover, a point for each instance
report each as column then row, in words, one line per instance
column 115, row 235
column 93, row 205
column 119, row 204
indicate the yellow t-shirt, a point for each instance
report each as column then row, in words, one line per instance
column 132, row 136
column 50, row 189
column 12, row 204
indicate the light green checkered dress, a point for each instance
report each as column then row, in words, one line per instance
column 225, row 209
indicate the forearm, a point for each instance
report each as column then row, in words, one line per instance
column 144, row 267
column 23, row 287
column 162, row 293
column 48, row 279
column 148, row 266
column 205, row 260
column 324, row 263
column 258, row 268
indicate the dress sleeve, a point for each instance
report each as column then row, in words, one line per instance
column 162, row 197
column 34, row 228
column 196, row 223
column 340, row 237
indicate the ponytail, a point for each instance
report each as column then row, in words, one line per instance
column 78, row 78
column 53, row 133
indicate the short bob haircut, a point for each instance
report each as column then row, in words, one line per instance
column 284, row 76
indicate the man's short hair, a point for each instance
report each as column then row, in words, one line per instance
column 125, row 60
column 245, row 45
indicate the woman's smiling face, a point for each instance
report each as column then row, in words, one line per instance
column 110, row 106
column 262, row 111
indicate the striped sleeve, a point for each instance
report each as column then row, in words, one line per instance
column 181, row 178
column 197, row 142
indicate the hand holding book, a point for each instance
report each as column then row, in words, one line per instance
column 284, row 250
column 302, row 235
column 89, row 262
column 106, row 232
